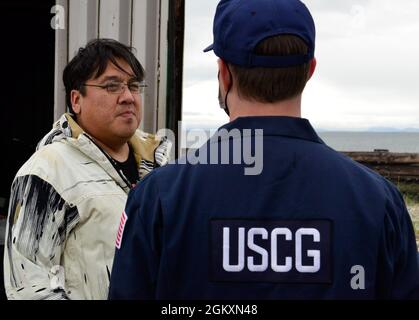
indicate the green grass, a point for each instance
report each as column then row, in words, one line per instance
column 414, row 214
column 410, row 193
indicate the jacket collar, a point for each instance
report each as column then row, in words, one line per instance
column 298, row 128
column 144, row 147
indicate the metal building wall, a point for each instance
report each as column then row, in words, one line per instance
column 139, row 23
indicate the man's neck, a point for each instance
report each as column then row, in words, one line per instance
column 245, row 108
column 118, row 151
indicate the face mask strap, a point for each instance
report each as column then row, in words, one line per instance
column 225, row 106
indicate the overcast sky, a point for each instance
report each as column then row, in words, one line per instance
column 367, row 66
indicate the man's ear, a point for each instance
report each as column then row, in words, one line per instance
column 76, row 101
column 313, row 64
column 224, row 76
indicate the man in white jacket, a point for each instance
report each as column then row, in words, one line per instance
column 67, row 199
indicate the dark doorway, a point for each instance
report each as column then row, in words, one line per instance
column 27, row 87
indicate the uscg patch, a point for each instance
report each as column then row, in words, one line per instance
column 271, row 251
column 121, row 228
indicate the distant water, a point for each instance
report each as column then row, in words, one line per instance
column 368, row 141
column 340, row 141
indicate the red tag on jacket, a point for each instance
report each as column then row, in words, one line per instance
column 124, row 219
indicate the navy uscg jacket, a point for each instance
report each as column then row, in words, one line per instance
column 312, row 225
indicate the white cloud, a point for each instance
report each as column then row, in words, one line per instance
column 200, row 106
column 330, row 107
column 367, row 65
column 199, row 66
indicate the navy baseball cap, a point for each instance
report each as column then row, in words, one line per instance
column 240, row 25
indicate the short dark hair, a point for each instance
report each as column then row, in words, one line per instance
column 92, row 60
column 269, row 85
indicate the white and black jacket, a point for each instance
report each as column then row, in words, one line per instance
column 65, row 206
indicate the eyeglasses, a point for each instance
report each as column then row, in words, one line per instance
column 117, row 87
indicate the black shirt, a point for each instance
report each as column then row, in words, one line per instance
column 129, row 167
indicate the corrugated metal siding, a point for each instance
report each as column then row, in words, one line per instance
column 83, row 18
column 61, row 58
column 139, row 23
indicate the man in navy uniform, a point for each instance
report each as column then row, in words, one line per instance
column 308, row 224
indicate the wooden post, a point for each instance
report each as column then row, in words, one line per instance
column 395, row 166
column 176, row 32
